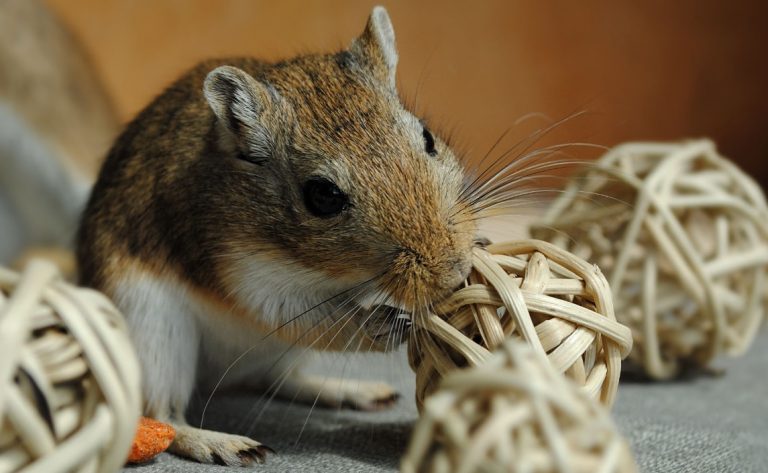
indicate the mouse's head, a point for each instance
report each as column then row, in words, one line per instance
column 337, row 181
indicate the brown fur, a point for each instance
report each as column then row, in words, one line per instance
column 173, row 197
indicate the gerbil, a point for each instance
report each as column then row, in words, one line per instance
column 250, row 196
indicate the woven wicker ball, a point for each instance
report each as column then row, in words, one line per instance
column 514, row 413
column 558, row 303
column 69, row 379
column 682, row 235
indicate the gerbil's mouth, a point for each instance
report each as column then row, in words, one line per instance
column 387, row 324
column 385, row 321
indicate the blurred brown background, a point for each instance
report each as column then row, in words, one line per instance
column 642, row 70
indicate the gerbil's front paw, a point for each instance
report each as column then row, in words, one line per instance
column 207, row 446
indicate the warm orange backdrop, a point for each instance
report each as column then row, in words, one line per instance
column 644, row 70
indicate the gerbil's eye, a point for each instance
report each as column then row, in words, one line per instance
column 429, row 142
column 323, row 198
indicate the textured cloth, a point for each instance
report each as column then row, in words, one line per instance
column 703, row 424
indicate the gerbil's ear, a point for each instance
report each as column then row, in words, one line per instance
column 376, row 46
column 239, row 101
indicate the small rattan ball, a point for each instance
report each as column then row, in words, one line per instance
column 514, row 412
column 69, row 379
column 558, row 303
column 682, row 235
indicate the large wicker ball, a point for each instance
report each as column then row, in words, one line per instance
column 558, row 303
column 69, row 379
column 682, row 235
column 514, row 412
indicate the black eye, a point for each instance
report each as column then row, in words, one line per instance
column 429, row 142
column 323, row 198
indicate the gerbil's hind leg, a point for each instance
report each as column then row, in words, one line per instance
column 165, row 332
column 337, row 392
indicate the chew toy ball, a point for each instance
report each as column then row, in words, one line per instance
column 682, row 235
column 514, row 412
column 531, row 290
column 69, row 379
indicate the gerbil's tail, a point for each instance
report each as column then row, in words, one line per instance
column 40, row 199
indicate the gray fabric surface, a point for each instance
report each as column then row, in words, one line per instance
column 703, row 424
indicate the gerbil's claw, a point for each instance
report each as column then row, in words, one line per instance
column 255, row 454
column 216, row 458
column 268, row 449
column 207, row 446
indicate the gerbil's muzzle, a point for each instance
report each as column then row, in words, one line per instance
column 425, row 280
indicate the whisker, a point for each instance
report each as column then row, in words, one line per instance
column 344, row 349
column 523, row 160
column 524, row 144
column 346, row 317
column 269, row 334
column 274, row 388
column 522, row 176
